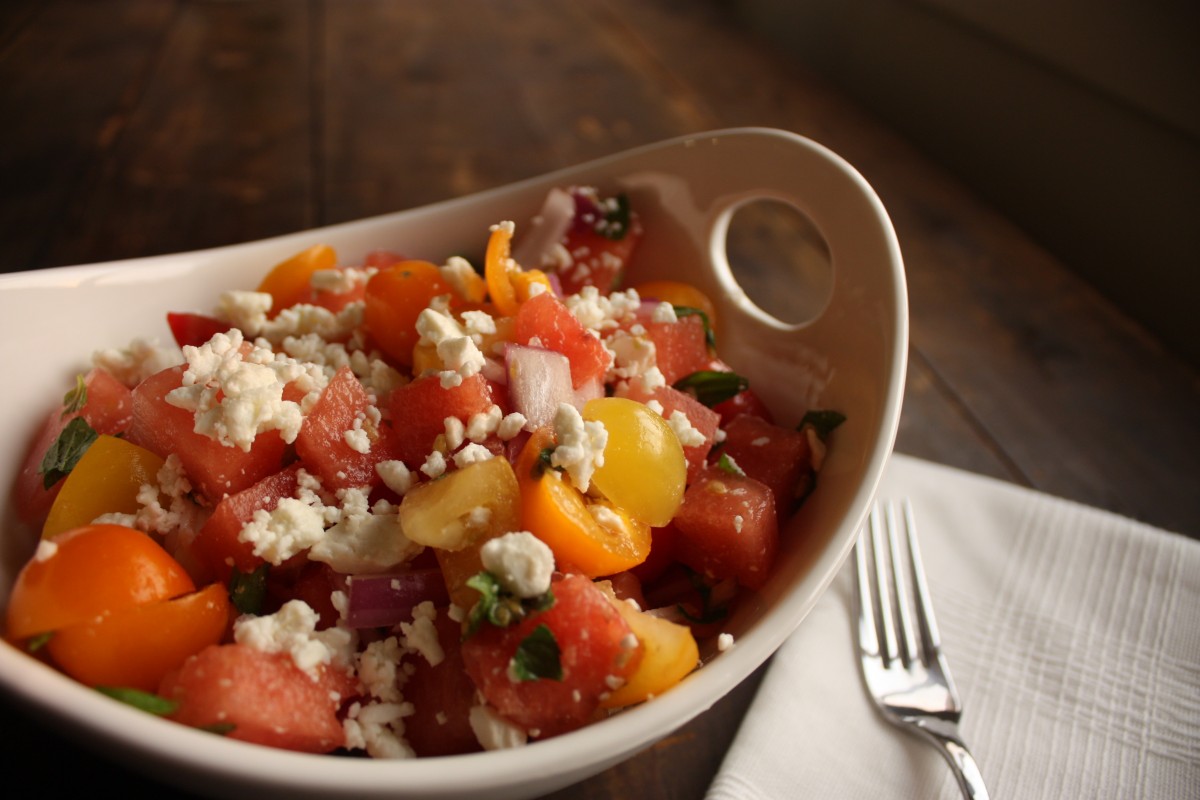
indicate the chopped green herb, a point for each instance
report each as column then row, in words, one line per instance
column 727, row 465
column 821, row 421
column 76, row 399
column 143, row 701
column 710, row 338
column 38, row 641
column 709, row 612
column 248, row 589
column 66, row 451
column 711, row 387
column 537, row 657
column 498, row 606
column 544, row 461
column 616, row 219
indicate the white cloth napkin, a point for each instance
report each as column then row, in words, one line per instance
column 1073, row 635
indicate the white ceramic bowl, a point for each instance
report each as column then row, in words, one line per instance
column 850, row 358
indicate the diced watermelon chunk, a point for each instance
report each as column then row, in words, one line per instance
column 779, row 457
column 419, row 410
column 680, row 347
column 596, row 259
column 597, row 652
column 194, row 329
column 727, row 528
column 322, row 444
column 217, row 545
column 263, row 698
column 442, row 697
column 701, row 417
column 214, row 469
column 546, row 322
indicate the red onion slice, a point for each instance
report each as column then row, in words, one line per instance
column 379, row 601
column 547, row 229
column 538, row 381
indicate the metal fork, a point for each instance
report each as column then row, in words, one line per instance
column 905, row 673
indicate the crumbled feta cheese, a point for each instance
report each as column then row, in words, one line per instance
column 664, row 312
column 458, row 273
column 435, row 464
column 724, row 641
column 277, row 535
column 511, row 425
column 421, row 635
column 760, row 441
column 378, row 728
column 598, row 312
column 396, row 476
column 606, row 517
column 632, row 355
column 521, row 562
column 652, row 379
column 484, row 423
column 292, row 630
column 472, row 454
column 46, row 550
column 378, row 669
column 689, row 436
column 363, row 541
column 458, row 352
column 493, row 731
column 581, row 444
column 656, row 407
column 738, row 522
column 246, row 311
column 456, row 432
column 133, row 364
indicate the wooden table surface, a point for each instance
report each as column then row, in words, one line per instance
column 137, row 127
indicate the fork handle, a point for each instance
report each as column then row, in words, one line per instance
column 945, row 737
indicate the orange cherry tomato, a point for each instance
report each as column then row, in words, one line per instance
column 106, row 480
column 678, row 293
column 290, row 282
column 557, row 513
column 136, row 647
column 88, row 572
column 396, row 296
column 508, row 284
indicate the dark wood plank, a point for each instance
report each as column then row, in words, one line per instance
column 69, row 74
column 216, row 149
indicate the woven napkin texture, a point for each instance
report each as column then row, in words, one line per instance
column 1073, row 635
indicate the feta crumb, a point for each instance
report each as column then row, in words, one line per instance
column 456, row 432
column 664, row 312
column 378, row 728
column 653, row 379
column 510, row 426
column 291, row 527
column 607, row 518
column 421, row 635
column 580, row 449
column 458, row 273
column 292, row 630
column 760, row 441
column 724, row 641
column 396, row 476
column 472, row 454
column 46, row 550
column 493, row 731
column 521, row 562
column 689, row 435
column 738, row 521
column 141, row 359
column 378, row 667
column 435, row 464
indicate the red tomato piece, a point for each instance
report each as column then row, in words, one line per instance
column 217, row 544
column 214, row 469
column 322, row 444
column 778, row 457
column 194, row 329
column 597, row 649
column 728, row 528
column 702, row 418
column 420, row 408
column 108, row 410
column 545, row 318
column 264, row 697
column 442, row 697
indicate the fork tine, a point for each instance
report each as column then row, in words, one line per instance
column 908, row 648
column 887, row 630
column 928, row 622
column 868, row 632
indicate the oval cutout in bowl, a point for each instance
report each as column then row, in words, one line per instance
column 780, row 259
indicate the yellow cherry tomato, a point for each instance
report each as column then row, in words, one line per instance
column 644, row 471
column 106, row 480
column 669, row 654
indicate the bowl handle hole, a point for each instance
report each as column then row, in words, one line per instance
column 780, row 259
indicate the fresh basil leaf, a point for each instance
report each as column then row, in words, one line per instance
column 68, row 448
column 710, row 338
column 616, row 219
column 730, row 467
column 537, row 657
column 711, row 387
column 822, row 421
column 38, row 641
column 489, row 589
column 500, row 607
column 76, row 399
column 247, row 590
column 143, row 701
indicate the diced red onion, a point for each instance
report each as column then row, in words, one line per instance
column 494, row 371
column 538, row 381
column 547, row 230
column 377, row 601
